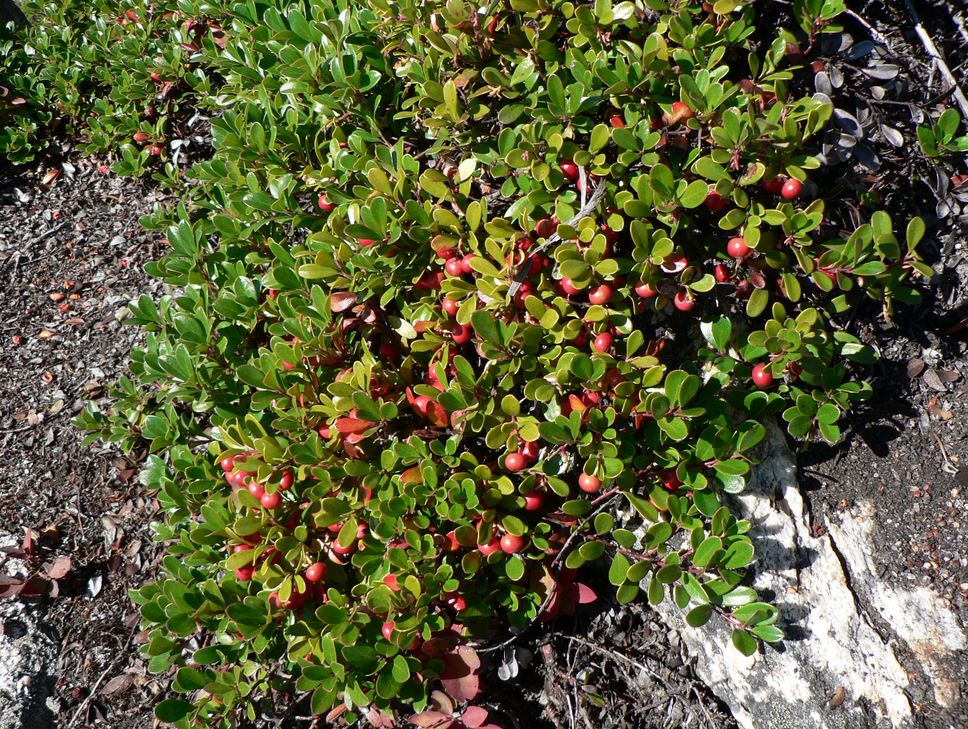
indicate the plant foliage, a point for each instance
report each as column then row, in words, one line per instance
column 457, row 286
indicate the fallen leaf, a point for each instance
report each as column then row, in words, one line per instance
column 840, row 694
column 915, row 367
column 60, row 568
column 117, row 684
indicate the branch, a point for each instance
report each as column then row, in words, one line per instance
column 585, row 211
column 942, row 67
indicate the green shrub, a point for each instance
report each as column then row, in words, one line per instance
column 100, row 73
column 455, row 288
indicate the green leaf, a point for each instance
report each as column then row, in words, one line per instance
column 172, row 710
column 707, row 551
column 699, row 615
column 694, row 194
column 744, row 642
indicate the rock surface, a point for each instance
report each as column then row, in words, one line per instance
column 851, row 639
column 28, row 660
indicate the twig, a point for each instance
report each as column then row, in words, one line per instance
column 874, row 33
column 93, row 692
column 562, row 553
column 585, row 211
column 942, row 67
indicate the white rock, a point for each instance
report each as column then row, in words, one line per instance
column 833, row 646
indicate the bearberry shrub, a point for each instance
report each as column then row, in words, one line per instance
column 459, row 290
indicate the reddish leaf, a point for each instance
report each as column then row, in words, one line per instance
column 340, row 301
column 10, row 586
column 432, row 720
column 353, row 425
column 437, row 415
column 459, row 676
column 60, row 568
column 28, row 544
column 474, row 716
column 442, row 702
column 422, row 326
column 379, row 720
column 585, row 594
column 412, row 475
column 577, row 406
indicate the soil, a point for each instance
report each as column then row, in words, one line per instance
column 71, row 253
column 906, row 450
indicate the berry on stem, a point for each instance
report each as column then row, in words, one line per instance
column 315, row 572
column 762, row 377
column 738, row 248
column 511, row 543
column 791, row 189
column 515, row 461
column 684, row 300
column 589, row 484
column 603, row 342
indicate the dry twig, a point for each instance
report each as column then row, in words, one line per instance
column 939, row 62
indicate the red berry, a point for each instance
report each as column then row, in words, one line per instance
column 446, row 254
column 533, row 501
column 617, row 121
column 256, row 489
column 603, row 342
column 244, row 574
column 461, row 334
column 271, row 501
column 722, row 273
column 227, row 463
column 773, row 185
column 545, row 228
column 453, row 267
column 457, row 603
column 738, row 248
column 155, row 76
column 387, row 629
column 490, row 548
column 511, row 544
column 600, row 295
column 388, row 351
column 645, row 290
column 515, row 461
column 155, row 150
column 683, row 300
column 324, row 204
column 465, row 264
column 568, row 287
column 716, row 202
column 449, row 306
column 589, row 484
column 670, row 480
column 315, row 572
column 791, row 189
column 569, row 169
column 236, row 548
column 341, row 550
column 140, row 137
column 285, row 483
column 762, row 377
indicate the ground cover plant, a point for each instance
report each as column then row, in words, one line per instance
column 455, row 289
